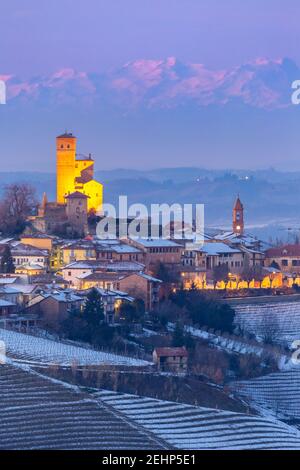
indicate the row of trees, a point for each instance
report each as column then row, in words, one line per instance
column 221, row 273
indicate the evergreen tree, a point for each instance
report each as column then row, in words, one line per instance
column 93, row 312
column 6, row 264
column 132, row 312
column 178, row 339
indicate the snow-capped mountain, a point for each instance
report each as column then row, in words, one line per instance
column 168, row 83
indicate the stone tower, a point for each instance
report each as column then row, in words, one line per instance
column 65, row 165
column 77, row 212
column 238, row 217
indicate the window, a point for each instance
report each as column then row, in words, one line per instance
column 284, row 262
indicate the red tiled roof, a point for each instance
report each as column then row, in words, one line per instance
column 167, row 352
column 286, row 250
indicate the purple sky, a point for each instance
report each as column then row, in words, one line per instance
column 40, row 36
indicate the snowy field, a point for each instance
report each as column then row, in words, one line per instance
column 283, row 316
column 278, row 393
column 34, row 349
column 189, row 427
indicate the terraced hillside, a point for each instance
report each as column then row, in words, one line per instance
column 279, row 393
column 189, row 427
column 285, row 316
column 38, row 413
column 31, row 348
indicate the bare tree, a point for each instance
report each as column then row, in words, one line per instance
column 269, row 329
column 18, row 203
column 220, row 273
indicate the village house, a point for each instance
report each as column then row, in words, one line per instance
column 27, row 254
column 11, row 294
column 7, row 308
column 81, row 250
column 171, row 359
column 102, row 280
column 30, row 269
column 40, row 241
column 74, row 272
column 111, row 301
column 53, row 308
column 136, row 284
column 118, row 251
column 218, row 254
column 286, row 258
column 142, row 286
column 158, row 251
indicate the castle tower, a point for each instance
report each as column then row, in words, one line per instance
column 65, row 165
column 238, row 217
column 77, row 212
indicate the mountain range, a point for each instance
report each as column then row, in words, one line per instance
column 169, row 83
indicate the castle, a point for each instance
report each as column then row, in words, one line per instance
column 76, row 173
column 77, row 193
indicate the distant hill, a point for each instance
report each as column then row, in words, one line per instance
column 271, row 198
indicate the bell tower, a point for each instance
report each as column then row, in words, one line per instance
column 238, row 217
column 65, row 165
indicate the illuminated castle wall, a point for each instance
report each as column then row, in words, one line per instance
column 76, row 174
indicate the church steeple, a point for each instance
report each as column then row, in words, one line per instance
column 238, row 217
column 44, row 200
column 42, row 207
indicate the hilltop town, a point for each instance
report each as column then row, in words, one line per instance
column 96, row 312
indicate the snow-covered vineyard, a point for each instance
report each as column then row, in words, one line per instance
column 284, row 317
column 39, row 413
column 32, row 348
column 277, row 393
column 189, row 427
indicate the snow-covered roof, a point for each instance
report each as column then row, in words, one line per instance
column 218, row 249
column 148, row 277
column 245, row 239
column 7, row 280
column 30, row 266
column 99, row 276
column 5, row 303
column 63, row 296
column 107, row 265
column 155, row 242
column 9, row 290
column 27, row 250
column 271, row 270
column 4, row 241
column 26, row 288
